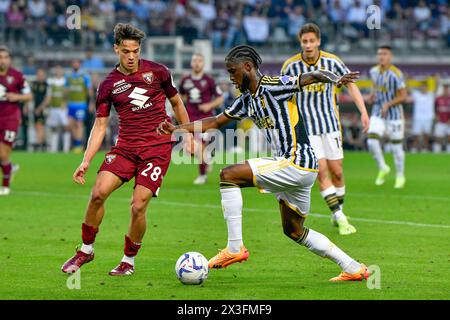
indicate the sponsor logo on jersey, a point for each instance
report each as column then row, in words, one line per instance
column 139, row 99
column 148, row 77
column 118, row 82
column 109, row 158
column 10, row 79
column 122, row 88
column 286, row 79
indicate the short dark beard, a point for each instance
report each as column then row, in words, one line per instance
column 245, row 86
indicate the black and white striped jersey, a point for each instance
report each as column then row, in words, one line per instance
column 276, row 114
column 386, row 84
column 317, row 101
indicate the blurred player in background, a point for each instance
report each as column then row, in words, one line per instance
column 423, row 115
column 290, row 173
column 57, row 120
column 13, row 90
column 39, row 89
column 202, row 96
column 387, row 119
column 138, row 90
column 442, row 127
column 318, row 107
column 79, row 93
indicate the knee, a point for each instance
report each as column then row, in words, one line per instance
column 226, row 174
column 292, row 232
column 98, row 196
column 138, row 207
column 338, row 175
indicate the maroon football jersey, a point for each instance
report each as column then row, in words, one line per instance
column 14, row 82
column 443, row 109
column 139, row 99
column 198, row 91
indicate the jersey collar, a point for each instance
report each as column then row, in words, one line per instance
column 315, row 62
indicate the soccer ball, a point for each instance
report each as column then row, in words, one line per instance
column 192, row 268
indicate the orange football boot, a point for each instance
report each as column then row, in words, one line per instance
column 224, row 258
column 361, row 275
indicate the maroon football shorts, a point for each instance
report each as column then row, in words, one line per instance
column 147, row 165
column 8, row 130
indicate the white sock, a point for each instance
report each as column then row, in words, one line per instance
column 399, row 158
column 66, row 142
column 232, row 212
column 330, row 197
column 375, row 149
column 129, row 260
column 338, row 215
column 437, row 147
column 322, row 246
column 340, row 193
column 328, row 191
column 54, row 137
column 87, row 248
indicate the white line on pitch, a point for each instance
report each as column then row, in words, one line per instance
column 352, row 194
column 211, row 206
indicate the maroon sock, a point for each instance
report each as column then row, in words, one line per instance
column 6, row 168
column 88, row 234
column 131, row 248
column 202, row 166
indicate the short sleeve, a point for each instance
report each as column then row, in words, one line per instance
column 340, row 68
column 87, row 81
column 168, row 84
column 238, row 109
column 103, row 100
column 287, row 69
column 399, row 80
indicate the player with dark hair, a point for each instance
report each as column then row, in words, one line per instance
column 387, row 118
column 292, row 170
column 318, row 106
column 13, row 91
column 39, row 88
column 202, row 96
column 138, row 90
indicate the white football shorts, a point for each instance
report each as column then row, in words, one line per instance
column 287, row 181
column 393, row 129
column 422, row 126
column 327, row 145
column 441, row 130
column 57, row 117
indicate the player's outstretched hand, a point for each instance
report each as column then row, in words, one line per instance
column 347, row 78
column 165, row 128
column 78, row 175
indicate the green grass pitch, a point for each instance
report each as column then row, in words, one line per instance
column 406, row 233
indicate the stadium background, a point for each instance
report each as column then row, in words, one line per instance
column 404, row 232
column 37, row 33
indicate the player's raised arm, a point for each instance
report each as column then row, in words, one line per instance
column 196, row 126
column 327, row 77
